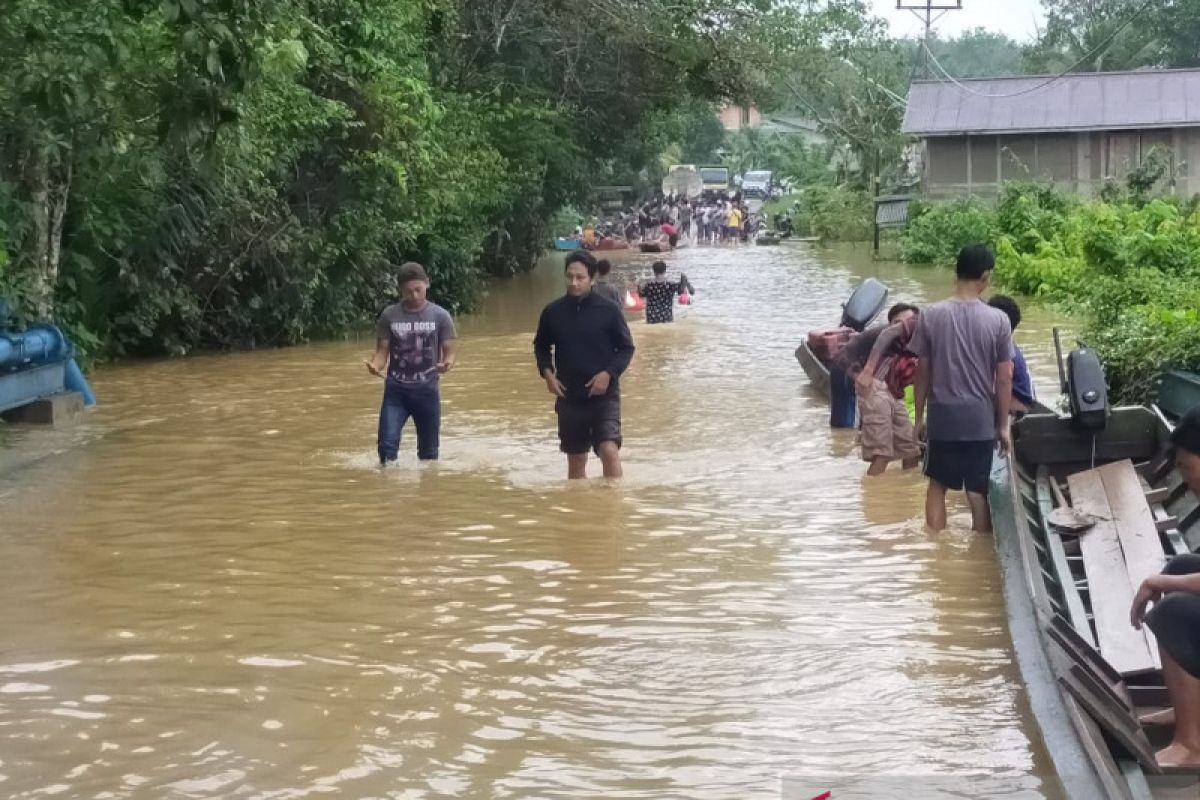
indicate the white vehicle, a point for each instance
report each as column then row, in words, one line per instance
column 683, row 180
column 759, row 183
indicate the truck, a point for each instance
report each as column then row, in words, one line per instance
column 715, row 179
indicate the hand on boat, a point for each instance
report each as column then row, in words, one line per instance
column 1003, row 441
column 1147, row 593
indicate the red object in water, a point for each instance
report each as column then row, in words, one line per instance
column 634, row 301
column 826, row 344
column 685, row 299
column 825, row 796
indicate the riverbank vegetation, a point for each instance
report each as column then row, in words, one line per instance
column 226, row 173
column 1127, row 263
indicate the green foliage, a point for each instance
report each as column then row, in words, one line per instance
column 178, row 174
column 834, row 213
column 936, row 233
column 1130, row 268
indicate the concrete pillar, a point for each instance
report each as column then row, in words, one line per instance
column 55, row 410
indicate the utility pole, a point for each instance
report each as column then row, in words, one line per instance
column 929, row 12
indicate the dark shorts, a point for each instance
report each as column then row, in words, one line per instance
column 1175, row 619
column 960, row 465
column 583, row 426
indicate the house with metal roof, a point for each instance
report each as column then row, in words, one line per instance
column 1077, row 131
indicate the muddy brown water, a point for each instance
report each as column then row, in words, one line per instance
column 209, row 590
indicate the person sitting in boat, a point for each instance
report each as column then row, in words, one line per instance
column 660, row 294
column 883, row 368
column 1175, row 619
column 1023, row 397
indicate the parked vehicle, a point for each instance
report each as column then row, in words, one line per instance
column 759, row 184
column 715, row 178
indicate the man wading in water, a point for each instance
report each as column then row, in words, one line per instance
column 582, row 347
column 415, row 342
column 660, row 294
column 965, row 374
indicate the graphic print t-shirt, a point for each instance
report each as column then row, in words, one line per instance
column 415, row 342
column 660, row 299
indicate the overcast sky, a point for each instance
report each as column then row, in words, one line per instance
column 1017, row 18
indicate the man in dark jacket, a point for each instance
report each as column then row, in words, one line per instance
column 582, row 347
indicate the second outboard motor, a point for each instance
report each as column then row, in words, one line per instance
column 1085, row 386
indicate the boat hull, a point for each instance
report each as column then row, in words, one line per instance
column 817, row 372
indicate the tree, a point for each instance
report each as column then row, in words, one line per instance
column 1095, row 36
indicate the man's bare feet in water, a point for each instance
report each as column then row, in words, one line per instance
column 1178, row 756
column 1164, row 717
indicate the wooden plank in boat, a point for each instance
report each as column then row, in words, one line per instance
column 1137, row 530
column 1098, row 753
column 1135, row 523
column 1108, row 579
column 1147, row 696
column 1173, row 537
column 1058, row 558
column 1116, row 721
column 1046, row 439
column 1135, row 778
column 1062, row 633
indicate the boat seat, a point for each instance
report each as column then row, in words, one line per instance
column 1119, row 552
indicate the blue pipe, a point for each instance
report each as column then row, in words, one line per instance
column 75, row 382
column 38, row 344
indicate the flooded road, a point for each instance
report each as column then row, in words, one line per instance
column 213, row 592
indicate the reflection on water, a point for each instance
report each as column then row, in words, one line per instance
column 212, row 592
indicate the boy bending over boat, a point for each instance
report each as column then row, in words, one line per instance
column 884, row 368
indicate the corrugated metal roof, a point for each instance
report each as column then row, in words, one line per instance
column 1079, row 102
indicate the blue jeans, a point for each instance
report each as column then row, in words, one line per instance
column 424, row 405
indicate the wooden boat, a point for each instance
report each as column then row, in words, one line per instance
column 768, row 239
column 653, row 247
column 817, row 372
column 611, row 244
column 568, row 244
column 1089, row 673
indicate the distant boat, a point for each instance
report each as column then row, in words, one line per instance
column 654, row 247
column 567, row 244
column 611, row 243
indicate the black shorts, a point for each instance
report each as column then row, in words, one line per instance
column 583, row 426
column 1175, row 619
column 959, row 465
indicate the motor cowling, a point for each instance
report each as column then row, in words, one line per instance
column 1087, row 389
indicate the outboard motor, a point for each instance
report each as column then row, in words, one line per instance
column 1085, row 386
column 864, row 304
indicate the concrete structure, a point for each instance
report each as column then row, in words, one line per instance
column 1077, row 131
column 735, row 118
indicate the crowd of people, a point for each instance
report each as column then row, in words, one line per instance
column 968, row 377
column 711, row 218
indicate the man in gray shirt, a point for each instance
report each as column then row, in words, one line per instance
column 415, row 344
column 964, row 377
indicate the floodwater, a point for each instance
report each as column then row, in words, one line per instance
column 209, row 589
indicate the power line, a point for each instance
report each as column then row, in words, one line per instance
column 1097, row 50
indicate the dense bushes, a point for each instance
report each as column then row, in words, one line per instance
column 832, row 213
column 937, row 232
column 1131, row 267
column 231, row 173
